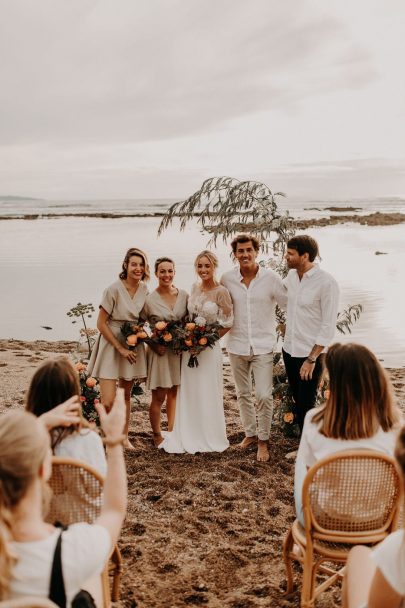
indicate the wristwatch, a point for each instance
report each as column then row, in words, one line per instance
column 311, row 359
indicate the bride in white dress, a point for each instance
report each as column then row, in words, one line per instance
column 199, row 425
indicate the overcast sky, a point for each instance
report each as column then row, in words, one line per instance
column 146, row 98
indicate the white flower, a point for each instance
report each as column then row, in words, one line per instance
column 147, row 329
column 200, row 321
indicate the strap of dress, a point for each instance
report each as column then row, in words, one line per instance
column 57, row 585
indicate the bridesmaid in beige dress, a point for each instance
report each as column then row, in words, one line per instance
column 166, row 303
column 111, row 360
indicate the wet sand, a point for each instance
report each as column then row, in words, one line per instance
column 200, row 530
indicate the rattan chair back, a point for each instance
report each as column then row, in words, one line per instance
column 355, row 493
column 77, row 492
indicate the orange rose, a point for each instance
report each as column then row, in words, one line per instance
column 289, row 417
column 202, row 341
column 90, row 382
column 167, row 337
column 142, row 335
column 188, row 342
column 161, row 325
column 132, row 340
column 190, row 326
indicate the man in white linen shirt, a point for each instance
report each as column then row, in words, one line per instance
column 255, row 291
column 312, row 306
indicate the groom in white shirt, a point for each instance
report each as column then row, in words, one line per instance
column 312, row 306
column 255, row 291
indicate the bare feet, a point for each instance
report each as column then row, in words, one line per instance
column 157, row 439
column 128, row 445
column 263, row 454
column 246, row 442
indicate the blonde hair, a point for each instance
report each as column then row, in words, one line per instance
column 23, row 448
column 53, row 383
column 212, row 258
column 360, row 400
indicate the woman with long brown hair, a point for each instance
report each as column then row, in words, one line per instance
column 27, row 542
column 53, row 383
column 359, row 412
column 111, row 360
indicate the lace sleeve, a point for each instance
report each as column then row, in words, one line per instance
column 225, row 306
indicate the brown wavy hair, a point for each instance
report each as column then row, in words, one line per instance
column 53, row 383
column 23, row 448
column 360, row 400
column 131, row 252
column 245, row 238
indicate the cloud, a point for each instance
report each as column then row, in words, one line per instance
column 107, row 72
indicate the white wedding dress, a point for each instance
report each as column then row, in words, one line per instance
column 200, row 421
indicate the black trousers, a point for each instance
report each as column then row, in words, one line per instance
column 303, row 391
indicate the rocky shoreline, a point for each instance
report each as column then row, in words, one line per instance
column 372, row 219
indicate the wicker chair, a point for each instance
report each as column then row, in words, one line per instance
column 349, row 498
column 28, row 602
column 77, row 495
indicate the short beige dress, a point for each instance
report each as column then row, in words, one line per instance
column 163, row 370
column 105, row 361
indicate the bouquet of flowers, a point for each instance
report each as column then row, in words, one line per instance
column 167, row 333
column 135, row 333
column 199, row 335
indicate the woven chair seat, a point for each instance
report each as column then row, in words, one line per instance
column 324, row 548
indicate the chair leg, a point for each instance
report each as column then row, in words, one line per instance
column 106, row 588
column 308, row 577
column 117, row 561
column 287, row 547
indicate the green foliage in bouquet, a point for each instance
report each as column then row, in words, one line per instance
column 89, row 393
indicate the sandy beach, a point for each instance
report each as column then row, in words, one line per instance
column 200, row 530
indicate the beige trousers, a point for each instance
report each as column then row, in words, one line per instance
column 260, row 367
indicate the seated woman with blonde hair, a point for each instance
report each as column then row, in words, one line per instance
column 358, row 414
column 375, row 578
column 27, row 542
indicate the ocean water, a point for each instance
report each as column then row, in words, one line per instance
column 297, row 207
column 49, row 265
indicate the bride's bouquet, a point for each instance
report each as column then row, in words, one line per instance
column 135, row 333
column 199, row 335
